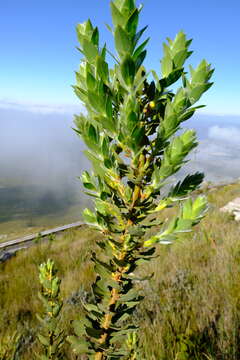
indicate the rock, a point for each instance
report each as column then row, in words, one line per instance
column 233, row 207
column 237, row 216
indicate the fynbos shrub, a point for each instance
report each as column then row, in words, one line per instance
column 130, row 127
column 50, row 335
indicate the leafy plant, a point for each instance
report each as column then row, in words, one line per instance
column 51, row 237
column 132, row 130
column 132, row 346
column 38, row 238
column 50, row 336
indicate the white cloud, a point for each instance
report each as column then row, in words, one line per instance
column 42, row 108
column 209, row 149
column 228, row 135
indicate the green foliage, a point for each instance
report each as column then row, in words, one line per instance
column 52, row 237
column 38, row 238
column 132, row 344
column 130, row 130
column 50, row 336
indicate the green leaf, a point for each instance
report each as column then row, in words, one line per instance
column 91, row 307
column 89, row 50
column 81, row 94
column 109, row 28
column 102, row 69
column 194, row 210
column 89, row 216
column 43, row 339
column 95, row 37
column 167, row 65
column 196, row 92
column 96, row 102
column 132, row 23
column 189, row 184
column 105, row 147
column 79, row 345
column 127, row 330
column 132, row 120
column 88, row 28
column 96, row 163
column 179, row 58
column 102, row 271
column 189, row 140
column 138, row 35
column 137, row 136
column 140, row 48
column 108, row 109
column 80, row 33
column 200, row 207
column 128, row 70
column 107, row 123
column 171, row 78
column 184, row 225
column 94, row 332
column 122, row 41
column 117, row 17
column 91, row 82
column 93, row 134
column 130, row 296
column 187, row 209
column 87, row 181
column 127, row 7
column 140, row 59
column 187, row 115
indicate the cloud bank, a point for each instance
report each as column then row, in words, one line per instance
column 225, row 135
column 41, row 108
column 217, row 154
column 38, row 147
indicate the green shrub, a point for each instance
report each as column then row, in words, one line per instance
column 131, row 128
column 50, row 336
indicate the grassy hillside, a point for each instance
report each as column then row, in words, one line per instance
column 191, row 306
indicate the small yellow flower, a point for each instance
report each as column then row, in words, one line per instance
column 152, row 104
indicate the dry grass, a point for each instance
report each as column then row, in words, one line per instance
column 191, row 306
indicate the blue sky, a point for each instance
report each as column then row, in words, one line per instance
column 39, row 57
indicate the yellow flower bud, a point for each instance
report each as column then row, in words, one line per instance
column 152, row 104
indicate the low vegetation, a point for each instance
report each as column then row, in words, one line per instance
column 191, row 304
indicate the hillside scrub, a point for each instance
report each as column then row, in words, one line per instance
column 191, row 307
